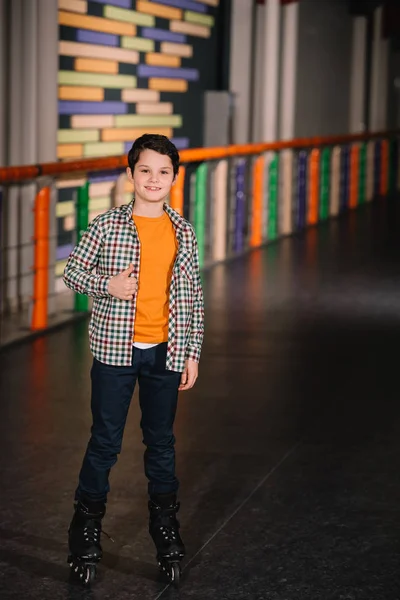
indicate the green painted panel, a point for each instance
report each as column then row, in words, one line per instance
column 273, row 181
column 104, row 149
column 325, row 183
column 129, row 16
column 148, row 121
column 96, row 79
column 200, row 210
column 67, row 136
column 82, row 222
column 139, row 44
column 199, row 19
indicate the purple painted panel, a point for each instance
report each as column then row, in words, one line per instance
column 128, row 146
column 91, row 108
column 95, row 37
column 104, row 176
column 148, row 71
column 181, row 143
column 186, row 4
column 162, row 35
column 240, row 206
column 121, row 3
column 63, row 252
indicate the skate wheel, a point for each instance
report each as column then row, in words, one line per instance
column 175, row 574
column 85, row 573
column 89, row 574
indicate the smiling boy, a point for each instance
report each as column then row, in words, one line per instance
column 146, row 327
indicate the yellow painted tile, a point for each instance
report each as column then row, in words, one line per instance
column 195, row 17
column 154, row 108
column 91, row 65
column 162, row 60
column 103, row 203
column 144, row 121
column 140, row 95
column 64, row 209
column 92, row 121
column 59, row 268
column 136, row 43
column 78, row 6
column 158, row 10
column 77, row 136
column 69, row 151
column 96, row 79
column 70, row 92
column 103, row 149
column 128, row 16
column 184, row 50
column 95, row 51
column 190, row 29
column 95, row 24
column 168, row 85
column 126, row 135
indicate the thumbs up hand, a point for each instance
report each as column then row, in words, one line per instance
column 123, row 286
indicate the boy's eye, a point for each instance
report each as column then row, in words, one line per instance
column 164, row 172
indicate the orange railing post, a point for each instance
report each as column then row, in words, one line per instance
column 257, row 209
column 177, row 192
column 313, row 205
column 41, row 260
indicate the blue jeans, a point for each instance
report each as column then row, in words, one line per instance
column 112, row 390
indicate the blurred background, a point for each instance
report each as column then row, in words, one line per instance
column 81, row 79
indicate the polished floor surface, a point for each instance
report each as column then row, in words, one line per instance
column 288, row 447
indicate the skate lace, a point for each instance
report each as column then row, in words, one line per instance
column 91, row 533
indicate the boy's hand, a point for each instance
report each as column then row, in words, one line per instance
column 123, row 286
column 189, row 375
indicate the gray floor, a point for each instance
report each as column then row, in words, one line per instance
column 288, row 447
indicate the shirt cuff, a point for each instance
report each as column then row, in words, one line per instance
column 193, row 353
column 102, row 285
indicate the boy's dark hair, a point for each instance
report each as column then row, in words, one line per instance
column 156, row 142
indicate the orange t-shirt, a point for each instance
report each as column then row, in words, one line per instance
column 158, row 249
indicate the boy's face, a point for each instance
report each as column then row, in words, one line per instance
column 152, row 177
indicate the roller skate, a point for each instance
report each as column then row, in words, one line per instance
column 84, row 540
column 164, row 529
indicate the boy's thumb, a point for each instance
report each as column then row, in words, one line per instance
column 128, row 271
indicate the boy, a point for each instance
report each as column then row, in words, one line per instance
column 146, row 326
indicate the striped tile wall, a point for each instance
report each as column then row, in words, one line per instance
column 125, row 66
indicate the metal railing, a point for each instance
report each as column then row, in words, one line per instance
column 237, row 197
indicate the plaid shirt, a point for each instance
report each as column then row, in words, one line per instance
column 109, row 245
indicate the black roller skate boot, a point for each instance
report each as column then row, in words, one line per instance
column 84, row 540
column 164, row 529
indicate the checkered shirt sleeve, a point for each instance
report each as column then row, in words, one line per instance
column 193, row 348
column 78, row 273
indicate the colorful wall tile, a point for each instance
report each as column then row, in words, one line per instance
column 128, row 67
